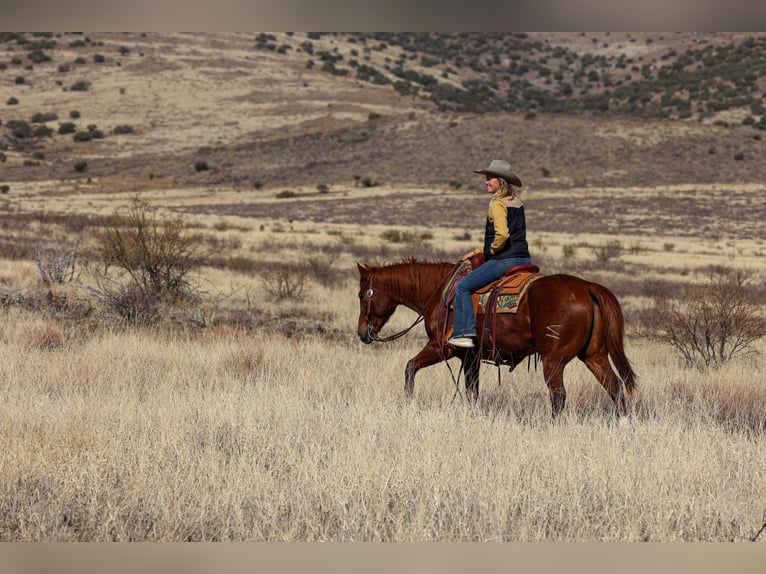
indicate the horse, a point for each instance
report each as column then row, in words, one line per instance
column 560, row 317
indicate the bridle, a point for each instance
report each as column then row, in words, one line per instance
column 372, row 332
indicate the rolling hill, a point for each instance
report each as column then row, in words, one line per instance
column 275, row 110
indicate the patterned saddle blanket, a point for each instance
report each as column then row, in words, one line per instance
column 510, row 288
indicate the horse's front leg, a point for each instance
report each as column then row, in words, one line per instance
column 470, row 368
column 428, row 355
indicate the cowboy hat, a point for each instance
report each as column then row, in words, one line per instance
column 502, row 169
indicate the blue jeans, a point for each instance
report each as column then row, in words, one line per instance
column 465, row 319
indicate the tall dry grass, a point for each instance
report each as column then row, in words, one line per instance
column 149, row 435
column 273, row 422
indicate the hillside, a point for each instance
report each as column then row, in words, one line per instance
column 296, row 109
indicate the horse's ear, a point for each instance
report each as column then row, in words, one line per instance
column 363, row 270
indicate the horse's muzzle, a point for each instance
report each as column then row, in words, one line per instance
column 367, row 335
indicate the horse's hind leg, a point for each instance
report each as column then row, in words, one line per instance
column 599, row 365
column 553, row 370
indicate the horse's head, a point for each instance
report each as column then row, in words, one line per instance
column 375, row 305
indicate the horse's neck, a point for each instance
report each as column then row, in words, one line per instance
column 416, row 287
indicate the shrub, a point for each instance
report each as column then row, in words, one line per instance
column 42, row 131
column 81, row 86
column 38, row 57
column 82, row 136
column 12, row 101
column 74, row 114
column 19, row 80
column 123, row 129
column 286, row 193
column 607, row 251
column 81, row 166
column 67, row 128
column 19, row 129
column 155, row 255
column 410, row 237
column 569, row 250
column 40, row 117
column 715, row 321
column 58, row 266
column 286, row 282
column 4, row 188
column 201, row 166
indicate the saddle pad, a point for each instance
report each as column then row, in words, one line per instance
column 512, row 289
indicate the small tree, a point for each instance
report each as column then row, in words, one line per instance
column 716, row 321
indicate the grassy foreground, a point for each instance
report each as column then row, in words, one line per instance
column 142, row 435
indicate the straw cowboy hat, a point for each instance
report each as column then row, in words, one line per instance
column 502, row 169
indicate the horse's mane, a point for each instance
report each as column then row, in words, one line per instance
column 411, row 273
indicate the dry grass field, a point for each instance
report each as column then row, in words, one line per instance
column 250, row 411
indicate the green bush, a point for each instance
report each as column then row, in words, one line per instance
column 123, row 129
column 81, row 166
column 42, row 131
column 40, row 117
column 201, row 166
column 19, row 129
column 67, row 128
column 81, row 86
column 82, row 136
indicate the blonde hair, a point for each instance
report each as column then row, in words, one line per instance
column 505, row 190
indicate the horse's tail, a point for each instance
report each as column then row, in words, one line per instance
column 614, row 325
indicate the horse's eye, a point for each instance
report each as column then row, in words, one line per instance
column 369, row 293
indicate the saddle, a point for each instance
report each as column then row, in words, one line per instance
column 501, row 296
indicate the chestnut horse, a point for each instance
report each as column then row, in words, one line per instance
column 560, row 317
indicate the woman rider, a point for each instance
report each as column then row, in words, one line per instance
column 505, row 246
